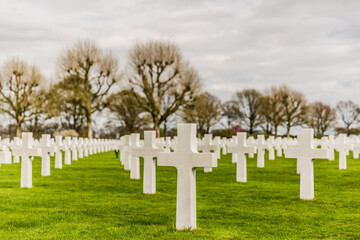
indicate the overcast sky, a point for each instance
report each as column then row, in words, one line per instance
column 312, row 45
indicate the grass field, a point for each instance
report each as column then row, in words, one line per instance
column 94, row 198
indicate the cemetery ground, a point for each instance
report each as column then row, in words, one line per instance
column 94, row 198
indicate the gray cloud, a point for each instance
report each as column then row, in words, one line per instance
column 312, row 45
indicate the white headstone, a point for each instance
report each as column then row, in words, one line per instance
column 126, row 149
column 58, row 153
column 271, row 142
column 16, row 144
column 342, row 147
column 261, row 146
column 149, row 152
column 67, row 145
column 241, row 149
column 26, row 151
column 305, row 153
column 73, row 148
column 207, row 146
column 135, row 161
column 46, row 148
column 5, row 155
column 186, row 159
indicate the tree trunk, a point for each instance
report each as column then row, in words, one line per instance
column 251, row 127
column 157, row 129
column 157, row 123
column 18, row 130
column 90, row 128
column 165, row 129
column 288, row 131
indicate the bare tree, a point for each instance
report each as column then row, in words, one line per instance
column 36, row 123
column 321, row 117
column 272, row 109
column 247, row 105
column 127, row 110
column 205, row 111
column 348, row 112
column 294, row 108
column 93, row 71
column 65, row 102
column 230, row 112
column 162, row 78
column 19, row 82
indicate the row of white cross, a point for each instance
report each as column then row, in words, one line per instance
column 27, row 148
column 183, row 153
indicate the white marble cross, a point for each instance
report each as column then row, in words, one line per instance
column 223, row 145
column 186, row 159
column 304, row 152
column 58, row 153
column 149, row 152
column 207, row 146
column 126, row 150
column 278, row 146
column 73, row 148
column 261, row 146
column 271, row 142
column 135, row 161
column 89, row 147
column 26, row 151
column 251, row 142
column 331, row 148
column 46, row 148
column 80, row 147
column 241, row 149
column 5, row 155
column 342, row 147
column 67, row 145
column 16, row 143
column 233, row 143
column 86, row 146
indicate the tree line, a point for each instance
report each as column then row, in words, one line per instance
column 157, row 88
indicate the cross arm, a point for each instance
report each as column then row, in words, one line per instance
column 204, row 160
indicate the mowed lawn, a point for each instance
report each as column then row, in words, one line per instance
column 94, row 198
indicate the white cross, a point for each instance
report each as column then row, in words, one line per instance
column 135, row 161
column 80, row 147
column 331, row 148
column 278, row 146
column 356, row 148
column 251, row 142
column 207, row 146
column 271, row 142
column 126, row 150
column 261, row 146
column 304, row 152
column 223, row 145
column 86, row 146
column 240, row 149
column 16, row 143
column 186, row 159
column 5, row 155
column 149, row 152
column 67, row 146
column 58, row 153
column 342, row 147
column 46, row 148
column 73, row 148
column 26, row 151
column 233, row 143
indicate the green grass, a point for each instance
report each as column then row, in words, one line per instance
column 94, row 198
